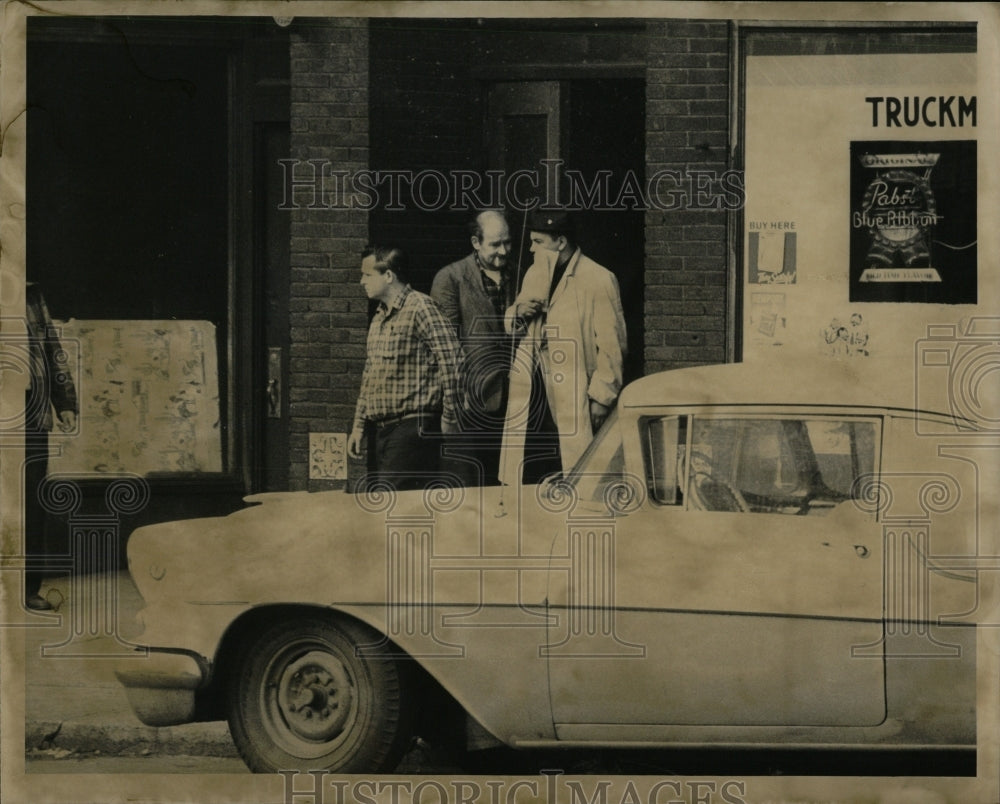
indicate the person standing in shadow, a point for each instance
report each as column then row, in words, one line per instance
column 50, row 398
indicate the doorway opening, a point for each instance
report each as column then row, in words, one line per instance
column 591, row 131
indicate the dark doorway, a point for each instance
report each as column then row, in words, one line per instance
column 128, row 225
column 147, row 175
column 127, row 179
column 606, row 132
column 596, row 128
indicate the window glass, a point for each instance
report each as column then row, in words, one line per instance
column 844, row 451
column 663, row 450
column 787, row 465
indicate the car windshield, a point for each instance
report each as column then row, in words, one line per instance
column 601, row 467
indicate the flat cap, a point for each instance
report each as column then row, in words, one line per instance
column 551, row 221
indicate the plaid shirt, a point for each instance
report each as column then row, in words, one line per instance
column 495, row 292
column 413, row 362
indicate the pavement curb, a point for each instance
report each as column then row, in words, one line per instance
column 197, row 739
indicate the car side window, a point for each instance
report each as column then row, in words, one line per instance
column 663, row 439
column 802, row 466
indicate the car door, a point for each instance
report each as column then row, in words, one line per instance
column 744, row 589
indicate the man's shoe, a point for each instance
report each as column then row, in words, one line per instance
column 37, row 603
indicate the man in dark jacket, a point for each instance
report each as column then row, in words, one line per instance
column 51, row 390
column 473, row 293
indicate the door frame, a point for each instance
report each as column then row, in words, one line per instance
column 251, row 97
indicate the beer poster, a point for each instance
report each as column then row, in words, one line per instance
column 913, row 221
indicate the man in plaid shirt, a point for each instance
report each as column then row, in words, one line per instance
column 409, row 386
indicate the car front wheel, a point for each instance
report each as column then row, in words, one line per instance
column 315, row 694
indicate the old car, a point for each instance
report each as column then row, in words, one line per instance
column 735, row 561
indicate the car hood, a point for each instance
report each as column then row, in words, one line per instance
column 332, row 547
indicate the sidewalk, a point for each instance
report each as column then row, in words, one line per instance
column 73, row 702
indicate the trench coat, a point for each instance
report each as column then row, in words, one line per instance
column 580, row 345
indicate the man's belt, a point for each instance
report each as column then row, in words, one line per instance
column 390, row 420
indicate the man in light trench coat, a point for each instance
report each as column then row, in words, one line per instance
column 569, row 316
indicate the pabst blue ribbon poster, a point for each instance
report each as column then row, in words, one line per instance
column 913, row 221
column 863, row 200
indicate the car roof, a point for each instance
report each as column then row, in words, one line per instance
column 856, row 383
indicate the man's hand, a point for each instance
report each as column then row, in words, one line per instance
column 527, row 310
column 67, row 421
column 598, row 413
column 354, row 444
column 448, row 427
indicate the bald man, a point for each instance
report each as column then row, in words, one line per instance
column 473, row 294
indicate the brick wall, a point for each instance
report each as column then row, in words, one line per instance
column 328, row 310
column 687, row 129
column 424, row 117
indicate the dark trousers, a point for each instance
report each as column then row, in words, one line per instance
column 472, row 455
column 36, row 525
column 541, row 442
column 407, row 453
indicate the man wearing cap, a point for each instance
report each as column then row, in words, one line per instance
column 408, row 388
column 473, row 294
column 572, row 327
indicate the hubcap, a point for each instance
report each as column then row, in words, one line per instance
column 315, row 696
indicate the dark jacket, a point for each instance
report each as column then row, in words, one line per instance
column 51, row 384
column 458, row 290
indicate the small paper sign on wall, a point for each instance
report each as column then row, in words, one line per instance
column 327, row 456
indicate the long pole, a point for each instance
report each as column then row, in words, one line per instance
column 501, row 510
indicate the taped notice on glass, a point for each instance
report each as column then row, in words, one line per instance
column 149, row 398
